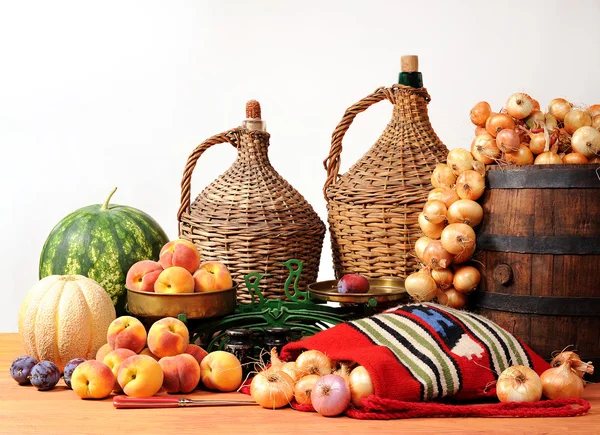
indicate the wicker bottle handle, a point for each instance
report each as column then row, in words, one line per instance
column 333, row 160
column 230, row 136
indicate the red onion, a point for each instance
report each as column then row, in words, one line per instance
column 331, row 395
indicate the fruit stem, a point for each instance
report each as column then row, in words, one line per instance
column 105, row 205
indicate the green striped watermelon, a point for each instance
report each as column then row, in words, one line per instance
column 102, row 242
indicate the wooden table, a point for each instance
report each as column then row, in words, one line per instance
column 24, row 410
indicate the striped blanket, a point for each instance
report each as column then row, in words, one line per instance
column 423, row 352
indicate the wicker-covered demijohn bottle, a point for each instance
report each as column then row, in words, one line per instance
column 250, row 218
column 374, row 207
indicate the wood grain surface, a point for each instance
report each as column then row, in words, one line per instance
column 24, row 410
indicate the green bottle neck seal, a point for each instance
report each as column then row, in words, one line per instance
column 412, row 79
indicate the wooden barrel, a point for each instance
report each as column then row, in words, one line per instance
column 539, row 248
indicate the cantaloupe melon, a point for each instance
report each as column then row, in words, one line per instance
column 64, row 317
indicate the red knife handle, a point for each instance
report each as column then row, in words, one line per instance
column 124, row 402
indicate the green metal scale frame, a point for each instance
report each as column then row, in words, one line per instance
column 300, row 314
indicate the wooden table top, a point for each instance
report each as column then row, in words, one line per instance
column 24, row 410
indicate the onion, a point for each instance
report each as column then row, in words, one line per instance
column 575, row 119
column 508, row 140
column 436, row 257
column 272, row 389
column 594, row 110
column 537, row 144
column 523, row 156
column 456, row 238
column 480, row 113
column 444, row 194
column 561, row 382
column 420, row 246
column 548, row 158
column 519, row 105
column 435, row 211
column 303, row 389
column 313, row 362
column 499, row 122
column 479, row 168
column 331, row 395
column 574, row 158
column 429, row 228
column 580, row 367
column 459, row 159
column 443, row 278
column 443, row 176
column 559, row 107
column 519, row 384
column 480, row 130
column 484, row 149
column 455, row 299
column 465, row 211
column 466, row 279
column 464, row 256
column 290, row 369
column 470, row 185
column 361, row 385
column 586, row 140
column 421, row 286
column 536, row 119
column 596, row 122
column 441, row 297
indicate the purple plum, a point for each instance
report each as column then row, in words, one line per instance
column 45, row 375
column 70, row 368
column 20, row 369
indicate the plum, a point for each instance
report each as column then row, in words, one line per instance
column 45, row 375
column 69, row 368
column 353, row 283
column 21, row 368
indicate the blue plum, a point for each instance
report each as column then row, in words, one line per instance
column 45, row 375
column 20, row 369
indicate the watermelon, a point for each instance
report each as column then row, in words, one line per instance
column 102, row 242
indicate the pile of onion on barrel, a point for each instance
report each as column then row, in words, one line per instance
column 563, row 380
column 313, row 379
column 519, row 134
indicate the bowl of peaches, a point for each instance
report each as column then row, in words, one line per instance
column 179, row 283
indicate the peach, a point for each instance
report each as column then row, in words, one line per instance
column 212, row 276
column 168, row 337
column 221, row 371
column 181, row 253
column 196, row 351
column 104, row 350
column 181, row 373
column 92, row 380
column 142, row 275
column 140, row 376
column 114, row 360
column 175, row 279
column 126, row 332
column 146, row 351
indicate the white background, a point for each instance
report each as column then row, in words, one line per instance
column 118, row 93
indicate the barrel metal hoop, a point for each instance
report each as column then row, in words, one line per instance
column 561, row 245
column 544, row 179
column 540, row 305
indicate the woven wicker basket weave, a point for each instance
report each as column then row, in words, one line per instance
column 250, row 218
column 374, row 207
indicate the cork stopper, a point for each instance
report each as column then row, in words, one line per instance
column 253, row 109
column 409, row 63
column 253, row 119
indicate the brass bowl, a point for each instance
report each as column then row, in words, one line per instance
column 381, row 291
column 193, row 305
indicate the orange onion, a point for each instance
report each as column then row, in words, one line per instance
column 420, row 246
column 586, row 140
column 559, row 107
column 480, row 130
column 508, row 140
column 455, row 299
column 480, row 113
column 536, row 119
column 537, row 144
column 470, row 185
column 442, row 176
column 436, row 257
column 456, row 238
column 519, row 105
column 519, row 384
column 429, row 228
column 523, row 156
column 596, row 122
column 594, row 110
column 574, row 159
column 548, row 158
column 499, row 122
column 421, row 286
column 272, row 389
column 561, row 382
column 303, row 388
column 313, row 362
column 466, row 279
column 460, row 160
column 361, row 385
column 435, row 211
column 443, row 277
column 465, row 211
column 464, row 256
column 444, row 194
column 575, row 119
column 484, row 149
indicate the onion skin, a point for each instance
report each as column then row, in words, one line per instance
column 443, row 176
column 596, row 122
column 537, row 144
column 464, row 256
column 594, row 110
column 435, row 211
column 331, row 395
column 484, row 149
column 508, row 140
column 519, row 384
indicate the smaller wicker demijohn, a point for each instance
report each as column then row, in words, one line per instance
column 250, row 218
column 374, row 207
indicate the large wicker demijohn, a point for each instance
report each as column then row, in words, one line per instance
column 250, row 218
column 373, row 208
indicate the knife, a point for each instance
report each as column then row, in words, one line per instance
column 124, row 402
